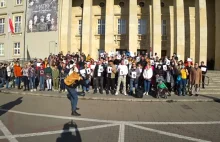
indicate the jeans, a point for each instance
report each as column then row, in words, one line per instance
column 133, row 83
column 32, row 82
column 18, row 81
column 73, row 97
column 183, row 86
column 26, row 82
column 49, row 85
column 2, row 81
column 41, row 82
column 121, row 79
column 62, row 85
column 178, row 87
column 86, row 86
column 147, row 85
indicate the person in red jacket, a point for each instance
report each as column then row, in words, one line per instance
column 18, row 74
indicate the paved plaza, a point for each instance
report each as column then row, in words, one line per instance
column 47, row 119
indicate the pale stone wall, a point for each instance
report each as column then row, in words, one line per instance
column 217, row 36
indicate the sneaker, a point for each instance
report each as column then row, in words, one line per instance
column 35, row 90
column 147, row 93
column 144, row 94
column 31, row 90
column 116, row 94
column 74, row 113
column 125, row 94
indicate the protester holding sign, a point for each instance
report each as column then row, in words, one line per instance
column 134, row 74
column 148, row 74
column 98, row 76
column 123, row 71
column 111, row 71
column 203, row 67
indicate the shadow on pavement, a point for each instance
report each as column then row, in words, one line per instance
column 10, row 105
column 211, row 97
column 68, row 136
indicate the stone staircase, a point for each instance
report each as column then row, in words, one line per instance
column 214, row 84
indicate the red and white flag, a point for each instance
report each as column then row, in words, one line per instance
column 10, row 26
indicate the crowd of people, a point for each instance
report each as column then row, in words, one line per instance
column 112, row 73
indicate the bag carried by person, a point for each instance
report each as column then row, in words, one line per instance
column 72, row 78
column 139, row 93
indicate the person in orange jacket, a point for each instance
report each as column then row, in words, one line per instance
column 18, row 74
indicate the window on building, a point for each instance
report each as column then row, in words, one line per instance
column 2, row 25
column 164, row 28
column 80, row 27
column 2, row 3
column 17, row 24
column 18, row 2
column 101, row 26
column 121, row 26
column 17, row 48
column 142, row 24
column 1, row 49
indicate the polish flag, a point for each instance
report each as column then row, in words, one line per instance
column 10, row 26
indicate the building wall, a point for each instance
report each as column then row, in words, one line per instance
column 217, row 35
column 8, row 39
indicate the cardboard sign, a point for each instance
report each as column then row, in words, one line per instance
column 88, row 71
column 189, row 60
column 165, row 67
column 203, row 69
column 83, row 71
column 109, row 69
column 134, row 75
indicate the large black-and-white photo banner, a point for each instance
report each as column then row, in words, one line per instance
column 42, row 15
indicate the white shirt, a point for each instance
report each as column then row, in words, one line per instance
column 123, row 68
column 148, row 73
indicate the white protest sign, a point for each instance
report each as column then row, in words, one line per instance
column 134, row 75
column 152, row 62
column 83, row 71
column 203, row 69
column 109, row 69
column 99, row 74
column 100, row 69
column 165, row 67
column 168, row 62
column 88, row 71
column 156, row 64
column 92, row 67
column 125, row 62
column 121, row 72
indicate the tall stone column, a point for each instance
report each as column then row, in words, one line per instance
column 217, row 35
column 156, row 27
column 133, row 26
column 179, row 23
column 201, row 30
column 171, row 9
column 109, row 26
column 86, row 27
column 65, row 11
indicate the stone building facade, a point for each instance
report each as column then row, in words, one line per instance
column 190, row 28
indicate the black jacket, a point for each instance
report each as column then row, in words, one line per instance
column 3, row 72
